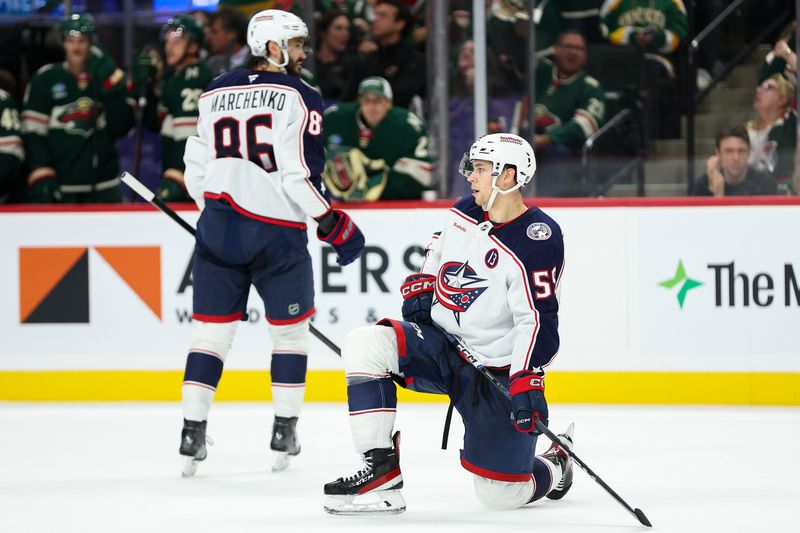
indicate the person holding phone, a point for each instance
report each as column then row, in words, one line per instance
column 727, row 171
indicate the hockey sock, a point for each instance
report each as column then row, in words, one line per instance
column 546, row 475
column 288, row 371
column 373, row 407
column 200, row 380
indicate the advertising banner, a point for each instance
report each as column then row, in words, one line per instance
column 664, row 289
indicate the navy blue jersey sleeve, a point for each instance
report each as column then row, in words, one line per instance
column 533, row 293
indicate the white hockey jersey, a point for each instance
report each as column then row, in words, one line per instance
column 259, row 147
column 496, row 285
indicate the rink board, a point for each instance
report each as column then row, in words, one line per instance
column 662, row 301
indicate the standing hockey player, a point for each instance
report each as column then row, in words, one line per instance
column 173, row 111
column 72, row 114
column 254, row 171
column 490, row 277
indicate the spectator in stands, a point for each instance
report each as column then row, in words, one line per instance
column 72, row 114
column 570, row 107
column 172, row 98
column 727, row 171
column 203, row 19
column 375, row 151
column 658, row 27
column 462, row 78
column 507, row 35
column 227, row 41
column 783, row 58
column 333, row 54
column 12, row 153
column 773, row 132
column 392, row 57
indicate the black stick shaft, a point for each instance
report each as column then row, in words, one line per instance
column 461, row 347
column 142, row 191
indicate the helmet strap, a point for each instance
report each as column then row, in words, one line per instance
column 284, row 55
column 497, row 190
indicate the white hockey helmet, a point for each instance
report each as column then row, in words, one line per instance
column 277, row 26
column 501, row 149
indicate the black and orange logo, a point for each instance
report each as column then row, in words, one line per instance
column 54, row 282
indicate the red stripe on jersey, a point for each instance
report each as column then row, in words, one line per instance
column 465, row 217
column 499, row 476
column 295, row 320
column 242, row 211
column 218, row 319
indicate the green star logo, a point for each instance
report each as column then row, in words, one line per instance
column 680, row 278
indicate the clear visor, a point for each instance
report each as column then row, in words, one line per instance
column 465, row 166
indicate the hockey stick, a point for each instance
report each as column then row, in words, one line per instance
column 475, row 361
column 140, row 189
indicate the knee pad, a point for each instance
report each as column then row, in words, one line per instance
column 213, row 337
column 370, row 352
column 495, row 494
column 292, row 338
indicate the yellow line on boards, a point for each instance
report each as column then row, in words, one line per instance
column 671, row 388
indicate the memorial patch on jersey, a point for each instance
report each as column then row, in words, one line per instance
column 456, row 287
column 491, row 258
column 539, row 231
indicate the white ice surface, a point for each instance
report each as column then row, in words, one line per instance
column 114, row 468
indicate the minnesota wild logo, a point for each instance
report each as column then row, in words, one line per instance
column 77, row 116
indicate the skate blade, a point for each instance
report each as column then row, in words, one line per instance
column 189, row 467
column 373, row 503
column 280, row 461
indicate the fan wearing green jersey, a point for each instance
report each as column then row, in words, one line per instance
column 374, row 150
column 172, row 104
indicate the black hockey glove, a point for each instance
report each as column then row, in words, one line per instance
column 417, row 294
column 338, row 229
column 527, row 401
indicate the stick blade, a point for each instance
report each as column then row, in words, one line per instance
column 642, row 518
column 137, row 186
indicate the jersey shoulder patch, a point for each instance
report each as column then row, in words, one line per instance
column 592, row 82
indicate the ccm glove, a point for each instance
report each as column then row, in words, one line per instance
column 527, row 401
column 338, row 229
column 417, row 294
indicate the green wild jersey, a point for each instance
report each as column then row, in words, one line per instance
column 387, row 162
column 11, row 151
column 623, row 20
column 568, row 110
column 69, row 124
column 176, row 113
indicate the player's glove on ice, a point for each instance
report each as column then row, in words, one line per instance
column 527, row 401
column 338, row 229
column 417, row 294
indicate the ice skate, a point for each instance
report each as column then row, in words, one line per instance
column 375, row 489
column 560, row 458
column 284, row 443
column 193, row 445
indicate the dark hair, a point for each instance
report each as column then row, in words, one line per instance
column 233, row 21
column 738, row 131
column 570, row 31
column 7, row 82
column 327, row 19
column 403, row 13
